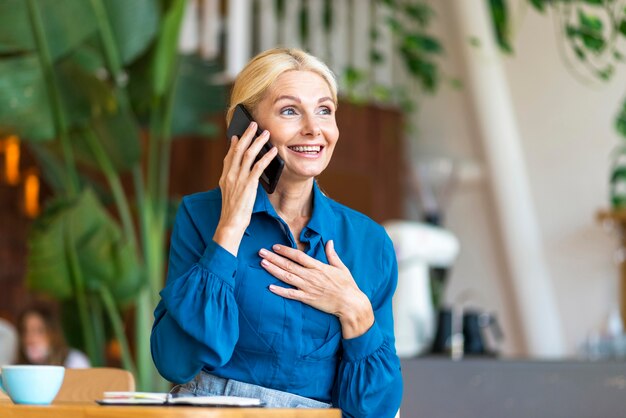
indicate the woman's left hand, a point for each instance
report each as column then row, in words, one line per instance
column 327, row 287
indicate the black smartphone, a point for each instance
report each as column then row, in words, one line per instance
column 238, row 125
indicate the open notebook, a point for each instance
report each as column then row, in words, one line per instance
column 154, row 398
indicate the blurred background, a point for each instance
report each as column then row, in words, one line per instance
column 485, row 135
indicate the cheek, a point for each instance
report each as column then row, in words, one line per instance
column 332, row 135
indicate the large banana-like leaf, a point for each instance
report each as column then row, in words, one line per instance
column 163, row 66
column 134, row 25
column 198, row 94
column 90, row 100
column 23, row 98
column 119, row 138
column 24, row 104
column 50, row 166
column 67, row 23
column 104, row 255
column 84, row 95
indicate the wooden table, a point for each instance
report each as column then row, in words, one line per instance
column 93, row 410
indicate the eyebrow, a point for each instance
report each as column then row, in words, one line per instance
column 296, row 99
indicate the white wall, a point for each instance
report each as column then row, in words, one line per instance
column 567, row 135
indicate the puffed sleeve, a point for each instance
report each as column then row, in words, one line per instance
column 369, row 382
column 196, row 321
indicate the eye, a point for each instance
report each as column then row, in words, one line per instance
column 288, row 111
column 325, row 110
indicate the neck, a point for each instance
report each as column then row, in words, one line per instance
column 294, row 200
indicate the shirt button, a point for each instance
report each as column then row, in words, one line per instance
column 308, row 234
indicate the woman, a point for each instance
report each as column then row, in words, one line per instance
column 285, row 297
column 42, row 340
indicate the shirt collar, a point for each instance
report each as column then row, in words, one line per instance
column 322, row 219
column 262, row 202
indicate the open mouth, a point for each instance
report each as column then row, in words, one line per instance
column 307, row 149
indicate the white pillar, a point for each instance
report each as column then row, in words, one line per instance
column 497, row 127
column 338, row 53
column 290, row 24
column 188, row 41
column 267, row 25
column 317, row 32
column 211, row 27
column 383, row 71
column 360, row 43
column 239, row 41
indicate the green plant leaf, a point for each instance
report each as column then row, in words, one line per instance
column 620, row 120
column 594, row 2
column 606, row 73
column 15, row 32
column 47, row 265
column 24, row 108
column 539, row 5
column 51, row 167
column 420, row 12
column 422, row 42
column 425, row 71
column 589, row 23
column 134, row 25
column 197, row 94
column 376, row 57
column 394, row 24
column 120, row 138
column 580, row 53
column 571, row 31
column 622, row 26
column 593, row 42
column 590, row 32
column 167, row 43
column 500, row 23
column 67, row 24
column 84, row 95
column 104, row 257
column 353, row 76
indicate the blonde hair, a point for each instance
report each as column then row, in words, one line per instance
column 262, row 71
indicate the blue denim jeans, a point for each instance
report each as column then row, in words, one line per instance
column 205, row 384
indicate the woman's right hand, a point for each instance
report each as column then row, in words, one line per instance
column 238, row 184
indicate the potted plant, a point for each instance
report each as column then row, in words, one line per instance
column 96, row 89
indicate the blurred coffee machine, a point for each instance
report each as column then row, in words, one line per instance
column 418, row 248
column 466, row 331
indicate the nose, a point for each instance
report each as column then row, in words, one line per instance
column 310, row 126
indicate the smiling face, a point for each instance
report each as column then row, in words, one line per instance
column 299, row 112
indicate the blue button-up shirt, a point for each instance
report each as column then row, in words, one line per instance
column 216, row 312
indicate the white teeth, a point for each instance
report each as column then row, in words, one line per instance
column 307, row 148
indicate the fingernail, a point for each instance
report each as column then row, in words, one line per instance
column 263, row 252
column 276, row 247
column 265, row 263
column 265, row 132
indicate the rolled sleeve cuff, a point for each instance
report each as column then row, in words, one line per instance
column 220, row 262
column 355, row 349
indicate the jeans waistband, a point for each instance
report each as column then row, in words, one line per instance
column 206, row 384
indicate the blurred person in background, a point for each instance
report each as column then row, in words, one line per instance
column 8, row 342
column 42, row 341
